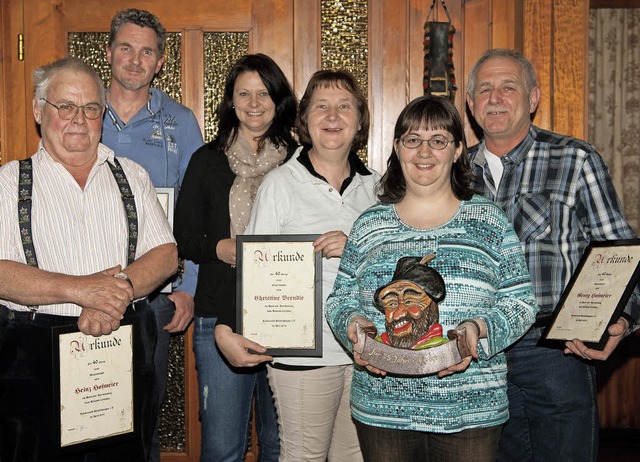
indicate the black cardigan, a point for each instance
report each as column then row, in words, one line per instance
column 201, row 221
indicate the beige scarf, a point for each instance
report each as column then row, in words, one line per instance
column 249, row 169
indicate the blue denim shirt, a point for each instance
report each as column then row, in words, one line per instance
column 557, row 192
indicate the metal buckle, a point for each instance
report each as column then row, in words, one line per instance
column 439, row 86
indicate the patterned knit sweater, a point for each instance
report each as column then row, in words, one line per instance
column 480, row 259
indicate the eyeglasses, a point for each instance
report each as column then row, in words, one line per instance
column 437, row 142
column 68, row 111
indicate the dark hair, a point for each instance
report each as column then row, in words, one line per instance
column 528, row 72
column 140, row 18
column 338, row 79
column 279, row 132
column 432, row 113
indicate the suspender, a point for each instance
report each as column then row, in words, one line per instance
column 25, row 191
column 128, row 200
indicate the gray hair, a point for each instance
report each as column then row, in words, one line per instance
column 140, row 18
column 43, row 75
column 528, row 72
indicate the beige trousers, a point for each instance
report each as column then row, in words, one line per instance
column 314, row 417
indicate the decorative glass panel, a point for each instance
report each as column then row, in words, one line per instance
column 221, row 50
column 344, row 40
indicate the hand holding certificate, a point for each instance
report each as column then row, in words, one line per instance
column 279, row 293
column 94, row 386
column 597, row 294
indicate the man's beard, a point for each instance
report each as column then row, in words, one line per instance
column 419, row 327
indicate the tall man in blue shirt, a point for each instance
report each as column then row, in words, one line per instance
column 146, row 125
column 557, row 192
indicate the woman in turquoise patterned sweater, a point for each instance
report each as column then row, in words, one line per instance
column 428, row 207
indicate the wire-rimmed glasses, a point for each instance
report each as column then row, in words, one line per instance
column 68, row 111
column 437, row 142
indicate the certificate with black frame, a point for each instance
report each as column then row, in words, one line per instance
column 279, row 293
column 597, row 293
column 95, row 387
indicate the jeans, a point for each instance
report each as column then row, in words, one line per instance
column 226, row 394
column 26, row 383
column 552, row 405
column 390, row 445
column 163, row 310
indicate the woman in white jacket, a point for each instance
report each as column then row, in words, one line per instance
column 322, row 189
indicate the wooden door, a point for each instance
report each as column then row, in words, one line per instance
column 46, row 24
column 204, row 39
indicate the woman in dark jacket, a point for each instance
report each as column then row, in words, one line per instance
column 256, row 117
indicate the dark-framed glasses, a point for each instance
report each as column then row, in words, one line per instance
column 68, row 111
column 437, row 142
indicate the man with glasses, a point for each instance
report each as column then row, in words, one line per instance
column 147, row 126
column 82, row 235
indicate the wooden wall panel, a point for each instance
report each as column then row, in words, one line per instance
column 270, row 40
column 507, row 22
column 193, row 73
column 476, row 32
column 388, row 75
column 15, row 115
column 614, row 4
column 538, row 29
column 570, row 64
column 306, row 42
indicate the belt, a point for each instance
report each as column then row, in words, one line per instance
column 40, row 320
column 50, row 320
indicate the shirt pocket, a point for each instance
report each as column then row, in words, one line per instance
column 532, row 216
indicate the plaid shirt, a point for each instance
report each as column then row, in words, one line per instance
column 557, row 192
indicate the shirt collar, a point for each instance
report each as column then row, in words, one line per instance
column 516, row 155
column 355, row 165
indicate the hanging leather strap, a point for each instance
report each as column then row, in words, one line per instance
column 25, row 203
column 438, row 72
column 446, row 10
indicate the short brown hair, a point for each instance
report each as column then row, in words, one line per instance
column 338, row 79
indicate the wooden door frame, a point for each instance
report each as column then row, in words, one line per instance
column 14, row 114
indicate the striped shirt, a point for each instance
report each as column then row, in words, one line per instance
column 76, row 231
column 485, row 275
column 557, row 192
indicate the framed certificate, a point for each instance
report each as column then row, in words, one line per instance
column 279, row 293
column 166, row 197
column 597, row 293
column 94, row 385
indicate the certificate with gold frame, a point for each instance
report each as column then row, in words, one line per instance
column 279, row 293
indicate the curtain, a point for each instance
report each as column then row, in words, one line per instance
column 614, row 100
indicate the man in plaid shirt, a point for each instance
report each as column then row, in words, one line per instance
column 557, row 192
